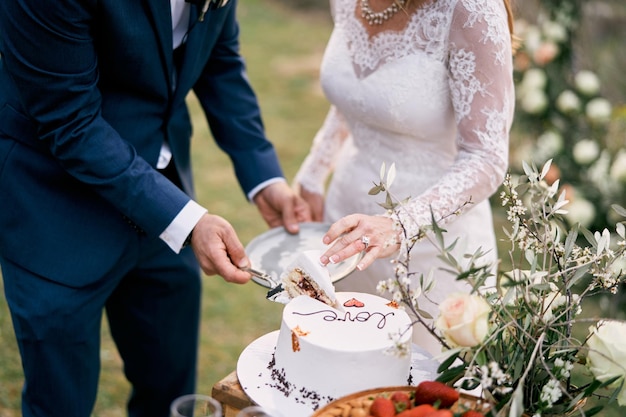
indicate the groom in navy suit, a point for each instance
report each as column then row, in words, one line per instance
column 96, row 192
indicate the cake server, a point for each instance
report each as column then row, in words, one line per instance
column 273, row 284
column 276, row 288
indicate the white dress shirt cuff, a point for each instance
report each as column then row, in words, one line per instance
column 264, row 184
column 184, row 222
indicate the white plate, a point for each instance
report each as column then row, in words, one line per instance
column 256, row 381
column 272, row 252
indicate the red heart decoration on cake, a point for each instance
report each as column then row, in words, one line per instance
column 353, row 302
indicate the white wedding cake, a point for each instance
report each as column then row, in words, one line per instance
column 324, row 352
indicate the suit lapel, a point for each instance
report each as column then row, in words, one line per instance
column 192, row 47
column 160, row 14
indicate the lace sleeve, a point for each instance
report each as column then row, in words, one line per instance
column 482, row 92
column 320, row 161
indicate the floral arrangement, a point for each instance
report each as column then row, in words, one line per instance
column 526, row 344
column 561, row 115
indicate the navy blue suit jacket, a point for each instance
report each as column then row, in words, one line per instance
column 87, row 98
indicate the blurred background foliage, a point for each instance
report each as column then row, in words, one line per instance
column 283, row 42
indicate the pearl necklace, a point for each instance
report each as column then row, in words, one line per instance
column 378, row 18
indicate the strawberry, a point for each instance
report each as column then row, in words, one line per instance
column 472, row 413
column 382, row 407
column 419, row 411
column 430, row 392
column 440, row 413
column 401, row 400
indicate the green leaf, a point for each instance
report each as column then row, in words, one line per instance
column 389, row 201
column 391, row 175
column 570, row 241
column 451, row 247
column 517, row 401
column 527, row 169
column 425, row 314
column 593, row 411
column 451, row 374
column 544, row 286
column 376, row 189
column 616, row 392
column 608, row 382
column 591, row 388
column 446, row 363
column 518, row 368
column 575, row 402
column 619, row 209
column 469, row 385
column 578, row 275
column 589, row 236
column 546, row 168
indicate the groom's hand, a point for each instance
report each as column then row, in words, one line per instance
column 280, row 206
column 219, row 250
column 314, row 200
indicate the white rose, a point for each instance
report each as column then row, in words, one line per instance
column 618, row 168
column 464, row 319
column 534, row 78
column 568, row 102
column 550, row 143
column 586, row 151
column 607, row 354
column 532, row 38
column 587, row 82
column 534, row 101
column 580, row 211
column 599, row 110
column 554, row 31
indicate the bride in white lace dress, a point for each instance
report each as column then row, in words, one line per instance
column 430, row 89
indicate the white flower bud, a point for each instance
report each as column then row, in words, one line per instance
column 580, row 211
column 587, row 82
column 618, row 168
column 532, row 38
column 534, row 101
column 586, row 151
column 568, row 102
column 599, row 110
column 554, row 31
column 550, row 143
column 535, row 78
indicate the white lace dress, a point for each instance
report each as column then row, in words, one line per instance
column 436, row 99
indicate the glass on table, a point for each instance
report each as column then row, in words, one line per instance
column 256, row 411
column 195, row 405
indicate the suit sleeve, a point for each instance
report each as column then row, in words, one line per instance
column 232, row 110
column 48, row 48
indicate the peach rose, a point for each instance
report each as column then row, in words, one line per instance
column 546, row 53
column 464, row 319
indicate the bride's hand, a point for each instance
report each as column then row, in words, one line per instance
column 315, row 201
column 358, row 232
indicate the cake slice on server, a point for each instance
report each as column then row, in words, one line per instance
column 305, row 275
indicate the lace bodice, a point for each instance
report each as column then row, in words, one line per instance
column 435, row 98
